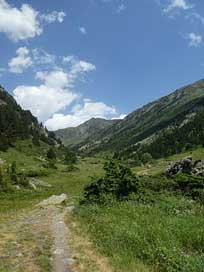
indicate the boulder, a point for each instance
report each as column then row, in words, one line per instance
column 186, row 166
column 54, row 200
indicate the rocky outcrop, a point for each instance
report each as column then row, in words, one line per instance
column 54, row 200
column 186, row 166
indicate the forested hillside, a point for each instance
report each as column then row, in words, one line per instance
column 158, row 119
column 16, row 123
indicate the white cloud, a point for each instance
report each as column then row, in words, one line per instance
column 26, row 58
column 80, row 114
column 55, row 79
column 53, row 17
column 120, row 8
column 177, row 4
column 42, row 57
column 78, row 69
column 25, row 22
column 81, row 67
column 21, row 62
column 194, row 39
column 121, row 116
column 83, row 30
column 54, row 94
column 48, row 98
column 19, row 24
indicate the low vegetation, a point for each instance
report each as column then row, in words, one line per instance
column 146, row 223
column 149, row 223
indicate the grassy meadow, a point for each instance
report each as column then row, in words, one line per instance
column 166, row 235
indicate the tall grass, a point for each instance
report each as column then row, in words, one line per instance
column 167, row 236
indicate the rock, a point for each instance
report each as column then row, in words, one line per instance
column 199, row 164
column 54, row 200
column 32, row 185
column 41, row 183
column 17, row 187
column 186, row 166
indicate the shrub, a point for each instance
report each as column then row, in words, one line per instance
column 51, row 155
column 146, row 158
column 118, row 182
column 70, row 157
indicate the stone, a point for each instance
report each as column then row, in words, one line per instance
column 40, row 183
column 186, row 166
column 54, row 200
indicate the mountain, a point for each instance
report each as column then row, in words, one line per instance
column 85, row 132
column 146, row 123
column 16, row 123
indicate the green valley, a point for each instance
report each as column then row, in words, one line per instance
column 122, row 214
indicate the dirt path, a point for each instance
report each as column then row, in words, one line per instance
column 39, row 240
column 35, row 241
column 62, row 261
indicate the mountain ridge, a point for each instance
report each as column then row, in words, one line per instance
column 148, row 120
column 92, row 128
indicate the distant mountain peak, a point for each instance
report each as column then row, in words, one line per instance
column 73, row 136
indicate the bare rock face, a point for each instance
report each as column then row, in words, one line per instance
column 54, row 200
column 186, row 166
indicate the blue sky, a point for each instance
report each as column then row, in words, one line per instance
column 70, row 60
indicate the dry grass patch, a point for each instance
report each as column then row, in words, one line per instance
column 87, row 259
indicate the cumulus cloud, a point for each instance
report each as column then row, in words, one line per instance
column 79, row 114
column 54, row 79
column 48, row 98
column 194, row 39
column 78, row 68
column 26, row 58
column 25, row 22
column 53, row 17
column 55, row 93
column 177, row 4
column 21, row 62
column 82, row 30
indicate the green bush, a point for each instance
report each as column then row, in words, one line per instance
column 70, row 157
column 118, row 182
column 146, row 158
column 51, row 155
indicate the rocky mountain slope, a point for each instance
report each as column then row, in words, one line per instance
column 16, row 123
column 85, row 132
column 143, row 124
